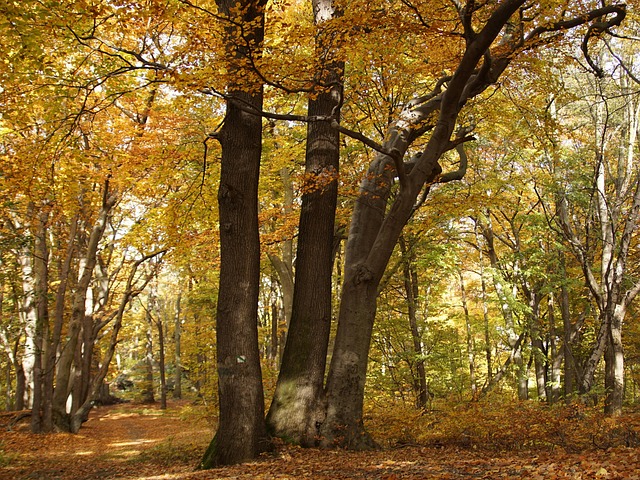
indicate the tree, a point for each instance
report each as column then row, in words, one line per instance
column 613, row 212
column 375, row 228
column 241, row 433
column 297, row 406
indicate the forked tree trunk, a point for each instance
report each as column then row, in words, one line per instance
column 65, row 376
column 375, row 227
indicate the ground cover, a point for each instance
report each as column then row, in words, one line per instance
column 139, row 442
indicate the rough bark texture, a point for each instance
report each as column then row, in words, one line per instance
column 241, row 431
column 297, row 408
column 375, row 227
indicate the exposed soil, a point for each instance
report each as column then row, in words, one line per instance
column 144, row 443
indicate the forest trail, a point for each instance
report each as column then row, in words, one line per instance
column 138, row 442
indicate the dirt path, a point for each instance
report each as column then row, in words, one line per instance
column 123, row 441
column 141, row 443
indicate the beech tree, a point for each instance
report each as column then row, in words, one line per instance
column 241, row 433
column 375, row 227
column 298, row 400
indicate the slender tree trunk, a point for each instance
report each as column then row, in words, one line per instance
column 522, row 380
column 485, row 307
column 177, row 336
column 29, row 317
column 411, row 289
column 537, row 346
column 64, row 378
column 297, row 408
column 131, row 291
column 41, row 274
column 64, row 269
column 274, row 343
column 470, row 345
column 554, row 390
column 148, row 390
column 163, row 379
column 614, row 364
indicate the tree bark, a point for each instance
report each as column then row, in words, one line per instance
column 411, row 289
column 163, row 378
column 297, row 407
column 375, row 230
column 177, row 337
column 41, row 275
column 470, row 343
column 147, row 391
column 64, row 378
column 241, row 433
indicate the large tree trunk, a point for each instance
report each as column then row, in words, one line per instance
column 297, row 407
column 241, row 431
column 343, row 425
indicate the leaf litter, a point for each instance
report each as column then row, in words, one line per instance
column 139, row 442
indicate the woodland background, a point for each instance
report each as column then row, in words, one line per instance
column 516, row 281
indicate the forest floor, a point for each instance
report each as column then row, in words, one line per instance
column 131, row 441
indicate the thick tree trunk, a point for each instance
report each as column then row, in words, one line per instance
column 343, row 425
column 297, row 407
column 375, row 228
column 241, row 431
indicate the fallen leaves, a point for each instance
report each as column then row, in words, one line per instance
column 129, row 442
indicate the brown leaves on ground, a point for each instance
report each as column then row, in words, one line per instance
column 145, row 443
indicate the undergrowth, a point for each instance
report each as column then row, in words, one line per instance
column 506, row 426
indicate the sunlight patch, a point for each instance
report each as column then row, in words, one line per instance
column 132, row 443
